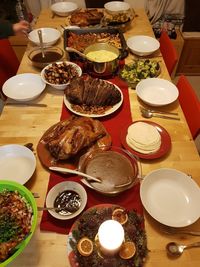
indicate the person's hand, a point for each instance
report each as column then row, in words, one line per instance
column 21, row 28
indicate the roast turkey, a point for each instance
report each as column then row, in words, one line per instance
column 86, row 18
column 68, row 137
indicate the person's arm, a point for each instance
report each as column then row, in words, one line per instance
column 6, row 29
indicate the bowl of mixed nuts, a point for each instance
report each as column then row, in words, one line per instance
column 59, row 74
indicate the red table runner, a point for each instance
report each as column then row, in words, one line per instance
column 129, row 199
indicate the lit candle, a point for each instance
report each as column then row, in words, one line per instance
column 111, row 237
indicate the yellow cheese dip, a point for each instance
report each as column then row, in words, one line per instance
column 101, row 56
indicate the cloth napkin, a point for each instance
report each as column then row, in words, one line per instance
column 129, row 199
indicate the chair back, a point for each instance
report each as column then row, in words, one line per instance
column 9, row 62
column 168, row 51
column 190, row 105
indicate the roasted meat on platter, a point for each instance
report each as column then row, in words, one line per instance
column 92, row 92
column 68, row 137
column 86, row 18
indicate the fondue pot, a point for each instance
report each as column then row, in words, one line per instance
column 97, row 66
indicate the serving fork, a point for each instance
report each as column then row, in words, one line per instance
column 158, row 111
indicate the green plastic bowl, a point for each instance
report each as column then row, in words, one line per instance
column 24, row 192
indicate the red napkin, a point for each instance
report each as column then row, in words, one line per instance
column 129, row 199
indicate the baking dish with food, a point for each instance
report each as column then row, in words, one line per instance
column 82, row 38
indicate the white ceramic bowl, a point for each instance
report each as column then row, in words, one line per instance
column 142, row 45
column 49, row 36
column 24, row 87
column 60, row 86
column 59, row 188
column 17, row 163
column 114, row 7
column 156, row 91
column 64, row 8
column 171, row 197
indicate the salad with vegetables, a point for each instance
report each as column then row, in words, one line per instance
column 140, row 69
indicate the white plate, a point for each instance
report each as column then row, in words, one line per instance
column 49, row 36
column 171, row 197
column 143, row 45
column 156, row 91
column 60, row 187
column 24, row 87
column 93, row 115
column 17, row 163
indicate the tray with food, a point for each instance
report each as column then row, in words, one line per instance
column 101, row 18
column 120, row 20
column 79, row 39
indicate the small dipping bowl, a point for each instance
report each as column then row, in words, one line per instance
column 65, row 195
column 52, row 54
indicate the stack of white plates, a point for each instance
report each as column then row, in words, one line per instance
column 143, row 137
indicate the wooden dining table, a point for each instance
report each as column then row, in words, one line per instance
column 21, row 124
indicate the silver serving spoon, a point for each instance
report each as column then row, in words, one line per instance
column 41, row 42
column 70, row 49
column 175, row 249
column 148, row 114
column 66, row 170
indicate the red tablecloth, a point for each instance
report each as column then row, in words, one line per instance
column 129, row 199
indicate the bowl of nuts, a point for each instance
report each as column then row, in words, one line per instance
column 59, row 74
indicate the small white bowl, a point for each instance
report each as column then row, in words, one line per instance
column 64, row 8
column 24, row 87
column 59, row 188
column 60, row 86
column 17, row 163
column 49, row 36
column 142, row 45
column 115, row 7
column 156, row 91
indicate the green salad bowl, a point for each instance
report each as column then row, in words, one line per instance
column 25, row 193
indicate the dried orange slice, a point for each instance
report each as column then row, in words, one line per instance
column 85, row 246
column 127, row 250
column 120, row 215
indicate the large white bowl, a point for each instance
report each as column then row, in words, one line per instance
column 114, row 7
column 24, row 87
column 60, row 187
column 171, row 197
column 17, row 163
column 49, row 36
column 143, row 45
column 60, row 86
column 64, row 8
column 156, row 91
